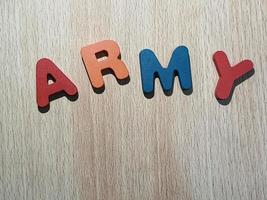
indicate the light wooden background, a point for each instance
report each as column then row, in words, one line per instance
column 119, row 145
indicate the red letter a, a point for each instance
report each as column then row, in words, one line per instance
column 45, row 68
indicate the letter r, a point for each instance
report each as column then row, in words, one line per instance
column 91, row 56
column 151, row 68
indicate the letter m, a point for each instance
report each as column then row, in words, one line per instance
column 179, row 65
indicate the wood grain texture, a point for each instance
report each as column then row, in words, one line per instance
column 119, row 145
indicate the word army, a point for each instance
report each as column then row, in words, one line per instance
column 105, row 57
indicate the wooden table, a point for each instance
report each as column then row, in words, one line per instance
column 120, row 145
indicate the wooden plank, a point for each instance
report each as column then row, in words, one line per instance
column 119, row 144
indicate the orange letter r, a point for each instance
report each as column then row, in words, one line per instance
column 101, row 56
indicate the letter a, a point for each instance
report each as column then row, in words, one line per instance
column 178, row 65
column 45, row 68
column 100, row 57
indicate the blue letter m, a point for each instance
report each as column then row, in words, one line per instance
column 179, row 65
